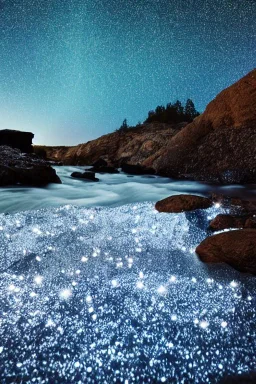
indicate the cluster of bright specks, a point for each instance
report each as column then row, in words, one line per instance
column 117, row 295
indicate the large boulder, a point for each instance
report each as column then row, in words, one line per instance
column 220, row 144
column 17, row 139
column 181, row 203
column 17, row 168
column 89, row 176
column 236, row 248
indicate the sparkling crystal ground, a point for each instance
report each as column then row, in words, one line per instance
column 117, row 295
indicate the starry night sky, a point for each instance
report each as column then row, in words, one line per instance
column 72, row 70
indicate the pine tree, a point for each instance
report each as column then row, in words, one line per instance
column 123, row 127
column 179, row 108
column 190, row 110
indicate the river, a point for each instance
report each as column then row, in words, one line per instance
column 112, row 190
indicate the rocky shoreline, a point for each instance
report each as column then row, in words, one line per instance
column 234, row 247
column 17, row 168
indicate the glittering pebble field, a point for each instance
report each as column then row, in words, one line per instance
column 118, row 295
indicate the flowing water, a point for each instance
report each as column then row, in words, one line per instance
column 111, row 190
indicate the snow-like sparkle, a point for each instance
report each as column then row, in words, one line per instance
column 95, row 308
column 65, row 293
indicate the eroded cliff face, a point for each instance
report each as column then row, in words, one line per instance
column 135, row 146
column 220, row 144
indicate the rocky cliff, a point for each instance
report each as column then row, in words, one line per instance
column 135, row 146
column 219, row 145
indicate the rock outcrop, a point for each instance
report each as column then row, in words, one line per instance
column 182, row 203
column 88, row 176
column 236, row 248
column 136, row 146
column 220, row 144
column 17, row 139
column 17, row 168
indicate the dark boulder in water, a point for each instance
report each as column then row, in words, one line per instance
column 17, row 168
column 181, row 203
column 90, row 176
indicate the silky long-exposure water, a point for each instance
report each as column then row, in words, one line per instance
column 117, row 295
column 112, row 190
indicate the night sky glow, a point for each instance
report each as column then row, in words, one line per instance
column 72, row 70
